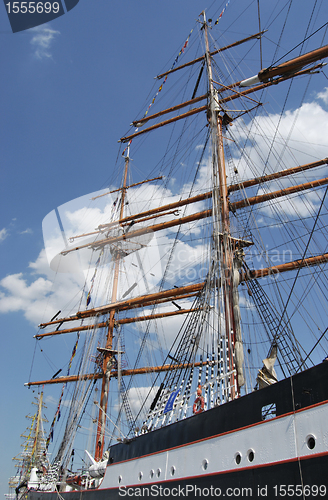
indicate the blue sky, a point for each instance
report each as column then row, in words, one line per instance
column 69, row 90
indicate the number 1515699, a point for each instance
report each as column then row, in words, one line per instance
column 32, row 7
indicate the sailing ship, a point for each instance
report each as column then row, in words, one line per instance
column 33, row 460
column 187, row 338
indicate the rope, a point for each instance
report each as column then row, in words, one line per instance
column 305, row 251
column 301, row 43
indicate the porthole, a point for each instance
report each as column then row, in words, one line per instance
column 151, row 474
column 140, row 475
column 205, row 464
column 173, row 469
column 310, row 442
column 237, row 458
column 119, row 479
column 250, row 455
column 158, row 472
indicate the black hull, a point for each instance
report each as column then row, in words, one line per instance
column 308, row 476
column 293, row 394
column 278, row 470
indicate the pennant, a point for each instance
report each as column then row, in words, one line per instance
column 161, row 86
column 57, row 414
column 224, row 8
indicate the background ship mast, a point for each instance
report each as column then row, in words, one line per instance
column 34, row 452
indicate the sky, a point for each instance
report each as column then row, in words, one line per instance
column 69, row 91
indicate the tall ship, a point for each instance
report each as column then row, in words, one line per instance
column 197, row 344
column 33, row 458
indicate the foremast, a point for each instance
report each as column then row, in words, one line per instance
column 108, row 349
column 224, row 248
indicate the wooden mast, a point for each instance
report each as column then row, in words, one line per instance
column 221, row 233
column 108, row 351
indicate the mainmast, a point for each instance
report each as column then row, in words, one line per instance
column 223, row 243
column 108, row 349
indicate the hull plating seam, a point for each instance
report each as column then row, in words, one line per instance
column 222, row 434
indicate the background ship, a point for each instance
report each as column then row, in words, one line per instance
column 216, row 377
column 34, row 452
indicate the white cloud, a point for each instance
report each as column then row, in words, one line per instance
column 34, row 293
column 305, row 128
column 137, row 397
column 3, row 234
column 323, row 95
column 27, row 231
column 42, row 41
column 53, row 402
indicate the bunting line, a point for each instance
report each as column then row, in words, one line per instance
column 57, row 414
column 224, row 8
column 162, row 84
column 173, row 65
